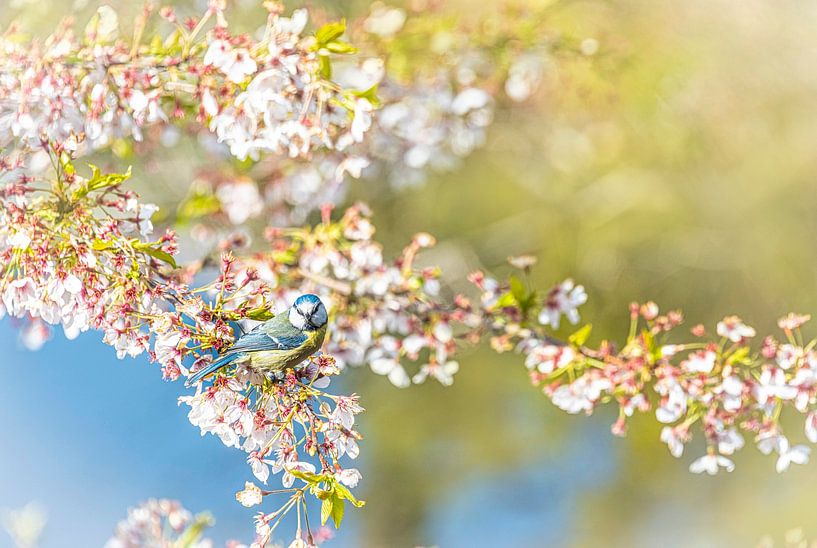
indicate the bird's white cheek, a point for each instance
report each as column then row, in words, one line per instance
column 296, row 319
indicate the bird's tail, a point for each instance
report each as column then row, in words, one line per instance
column 213, row 367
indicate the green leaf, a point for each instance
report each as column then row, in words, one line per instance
column 162, row 256
column 156, row 253
column 200, row 204
column 134, row 273
column 288, row 257
column 649, row 342
column 339, row 46
column 330, row 32
column 194, row 532
column 740, row 356
column 369, row 94
column 338, row 506
column 325, row 66
column 172, row 41
column 518, row 290
column 308, row 477
column 101, row 245
column 260, row 314
column 506, row 300
column 580, row 337
column 344, row 493
column 67, row 165
column 100, row 180
column 326, row 509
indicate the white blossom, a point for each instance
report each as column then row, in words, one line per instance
column 798, row 454
column 711, row 464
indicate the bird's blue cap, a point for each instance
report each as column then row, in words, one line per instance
column 307, row 298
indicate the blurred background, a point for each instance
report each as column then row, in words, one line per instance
column 675, row 163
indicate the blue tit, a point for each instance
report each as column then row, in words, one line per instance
column 277, row 344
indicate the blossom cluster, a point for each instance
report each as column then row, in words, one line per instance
column 161, row 523
column 794, row 538
column 713, row 382
column 288, row 426
column 165, row 523
column 383, row 313
column 269, row 95
column 436, row 107
column 77, row 255
column 25, row 525
column 286, row 100
column 430, row 110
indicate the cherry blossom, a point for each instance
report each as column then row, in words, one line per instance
column 734, row 329
column 444, row 373
column 711, row 464
column 700, row 362
column 797, row 455
column 91, row 91
column 811, row 427
column 160, row 522
column 674, row 439
column 564, row 299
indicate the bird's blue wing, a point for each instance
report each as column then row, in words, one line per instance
column 258, row 340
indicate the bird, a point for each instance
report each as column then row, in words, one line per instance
column 277, row 344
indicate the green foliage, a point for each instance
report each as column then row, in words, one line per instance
column 260, row 314
column 330, row 32
column 333, row 494
column 520, row 295
column 580, row 336
column 368, row 94
column 741, row 356
column 99, row 180
column 200, row 203
column 327, row 40
column 153, row 249
column 192, row 535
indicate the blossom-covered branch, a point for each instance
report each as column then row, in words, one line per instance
column 268, row 95
column 297, row 104
column 76, row 254
column 712, row 382
column 389, row 314
column 432, row 108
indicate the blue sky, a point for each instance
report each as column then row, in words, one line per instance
column 88, row 435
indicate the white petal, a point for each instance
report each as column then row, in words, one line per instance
column 399, row 378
